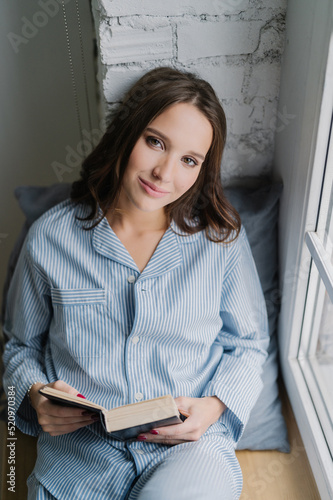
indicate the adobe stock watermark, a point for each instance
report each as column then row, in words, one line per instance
column 276, row 299
column 11, row 440
column 281, row 120
column 75, row 155
column 30, row 27
column 258, row 481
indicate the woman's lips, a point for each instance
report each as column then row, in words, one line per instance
column 152, row 189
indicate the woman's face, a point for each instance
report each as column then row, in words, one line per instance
column 167, row 158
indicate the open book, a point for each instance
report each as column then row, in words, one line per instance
column 125, row 422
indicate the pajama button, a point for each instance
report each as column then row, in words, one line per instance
column 139, row 396
column 135, row 340
column 131, row 278
column 140, row 452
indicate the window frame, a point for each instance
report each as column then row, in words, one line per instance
column 300, row 157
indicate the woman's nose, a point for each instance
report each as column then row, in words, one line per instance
column 164, row 169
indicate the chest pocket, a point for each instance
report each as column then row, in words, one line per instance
column 80, row 321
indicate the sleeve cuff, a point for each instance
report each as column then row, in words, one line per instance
column 25, row 415
column 237, row 412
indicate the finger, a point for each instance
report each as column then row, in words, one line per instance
column 169, row 441
column 62, row 386
column 147, row 438
column 66, row 429
column 56, row 410
column 184, row 403
column 56, row 421
column 176, row 431
column 186, row 431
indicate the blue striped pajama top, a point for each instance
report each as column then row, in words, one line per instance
column 193, row 323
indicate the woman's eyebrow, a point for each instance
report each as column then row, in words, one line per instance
column 165, row 138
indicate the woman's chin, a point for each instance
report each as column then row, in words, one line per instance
column 149, row 206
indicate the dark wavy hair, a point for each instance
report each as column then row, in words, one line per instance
column 204, row 205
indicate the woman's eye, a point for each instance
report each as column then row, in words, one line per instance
column 189, row 161
column 154, row 142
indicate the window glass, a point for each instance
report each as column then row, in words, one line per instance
column 324, row 353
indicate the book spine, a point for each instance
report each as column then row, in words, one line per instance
column 133, row 432
column 104, row 420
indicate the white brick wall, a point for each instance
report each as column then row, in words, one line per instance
column 265, row 81
column 236, row 45
column 227, row 80
column 118, row 80
column 197, row 39
column 172, row 7
column 126, row 45
column 239, row 118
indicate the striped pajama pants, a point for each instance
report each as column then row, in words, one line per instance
column 189, row 471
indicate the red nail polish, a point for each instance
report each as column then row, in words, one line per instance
column 81, row 396
column 153, row 432
column 141, row 438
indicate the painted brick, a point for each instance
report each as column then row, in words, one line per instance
column 272, row 4
column 265, row 80
column 172, row 7
column 118, row 80
column 239, row 118
column 144, row 22
column 226, row 80
column 139, row 32
column 232, row 162
column 271, row 39
column 208, row 39
column 123, row 45
column 245, row 162
column 270, row 116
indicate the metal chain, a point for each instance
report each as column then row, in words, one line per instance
column 71, row 65
column 83, row 62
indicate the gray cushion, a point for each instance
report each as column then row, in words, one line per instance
column 258, row 208
column 35, row 200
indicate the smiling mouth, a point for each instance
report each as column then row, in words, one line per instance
column 152, row 187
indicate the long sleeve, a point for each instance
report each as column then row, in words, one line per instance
column 243, row 339
column 192, row 323
column 27, row 319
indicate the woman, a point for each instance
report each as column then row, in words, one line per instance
column 142, row 284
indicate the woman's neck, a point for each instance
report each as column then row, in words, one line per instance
column 136, row 222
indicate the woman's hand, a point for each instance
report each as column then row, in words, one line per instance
column 201, row 412
column 56, row 419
